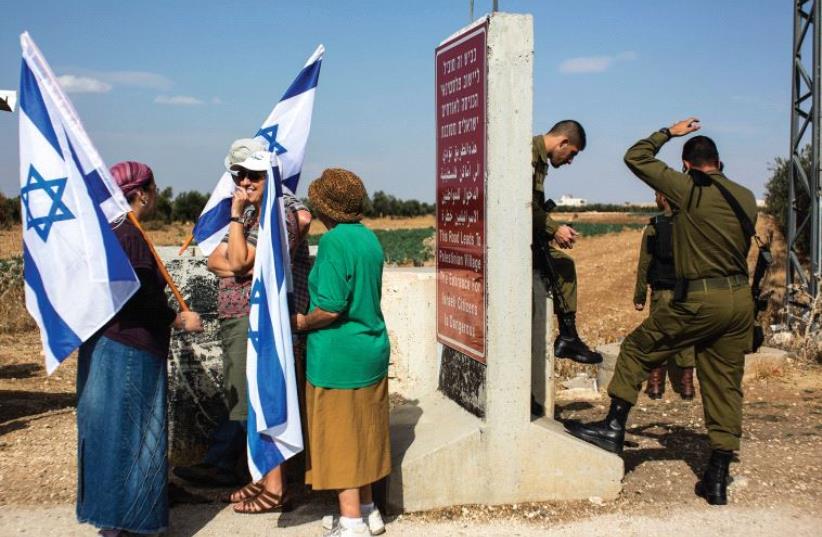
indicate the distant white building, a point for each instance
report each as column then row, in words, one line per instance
column 761, row 204
column 567, row 201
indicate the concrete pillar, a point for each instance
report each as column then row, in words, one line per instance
column 542, row 347
column 508, row 220
column 444, row 455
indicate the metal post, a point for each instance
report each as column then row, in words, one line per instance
column 471, row 11
column 790, row 223
column 496, row 6
column 806, row 113
column 816, row 166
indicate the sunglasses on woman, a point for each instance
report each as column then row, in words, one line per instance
column 241, row 173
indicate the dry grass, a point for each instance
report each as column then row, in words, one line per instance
column 13, row 315
column 596, row 217
column 169, row 235
column 317, row 227
column 606, row 274
column 11, row 242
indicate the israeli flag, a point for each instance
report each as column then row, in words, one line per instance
column 285, row 131
column 75, row 272
column 274, row 430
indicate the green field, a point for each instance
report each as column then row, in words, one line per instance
column 406, row 246
column 401, row 246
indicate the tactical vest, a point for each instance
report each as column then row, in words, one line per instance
column 661, row 273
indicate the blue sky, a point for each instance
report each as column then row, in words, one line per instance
column 173, row 83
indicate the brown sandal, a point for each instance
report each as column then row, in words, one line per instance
column 264, row 502
column 246, row 493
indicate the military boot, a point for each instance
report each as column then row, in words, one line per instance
column 608, row 434
column 686, row 388
column 568, row 344
column 656, row 383
column 714, row 484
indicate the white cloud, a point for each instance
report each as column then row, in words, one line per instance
column 594, row 64
column 138, row 79
column 83, row 84
column 178, row 100
column 216, row 100
column 133, row 79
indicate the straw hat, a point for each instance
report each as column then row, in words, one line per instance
column 338, row 194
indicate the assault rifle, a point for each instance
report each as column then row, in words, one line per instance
column 545, row 265
column 764, row 260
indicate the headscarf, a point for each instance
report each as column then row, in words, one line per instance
column 130, row 176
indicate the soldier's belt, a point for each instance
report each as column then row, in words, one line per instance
column 722, row 282
column 663, row 286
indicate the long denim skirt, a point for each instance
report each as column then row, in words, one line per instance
column 122, row 444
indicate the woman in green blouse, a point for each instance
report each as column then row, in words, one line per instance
column 347, row 356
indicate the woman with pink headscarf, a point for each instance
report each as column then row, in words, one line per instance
column 122, row 432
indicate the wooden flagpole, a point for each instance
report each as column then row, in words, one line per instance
column 186, row 244
column 160, row 264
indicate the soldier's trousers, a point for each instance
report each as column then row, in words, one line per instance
column 718, row 323
column 567, row 272
column 664, row 296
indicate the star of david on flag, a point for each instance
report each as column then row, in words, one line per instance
column 270, row 135
column 255, row 301
column 285, row 130
column 54, row 189
column 274, row 430
column 75, row 272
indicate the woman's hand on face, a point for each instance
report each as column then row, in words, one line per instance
column 239, row 202
column 189, row 321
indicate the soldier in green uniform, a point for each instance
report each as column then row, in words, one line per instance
column 712, row 309
column 656, row 269
column 558, row 147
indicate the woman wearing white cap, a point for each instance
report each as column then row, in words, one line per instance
column 233, row 263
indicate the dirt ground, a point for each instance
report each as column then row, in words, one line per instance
column 780, row 462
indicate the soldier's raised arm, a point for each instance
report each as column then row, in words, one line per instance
column 642, row 161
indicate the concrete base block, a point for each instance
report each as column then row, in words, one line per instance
column 443, row 456
column 605, row 370
column 409, row 304
column 580, row 388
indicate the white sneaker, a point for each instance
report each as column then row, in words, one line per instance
column 376, row 526
column 339, row 531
